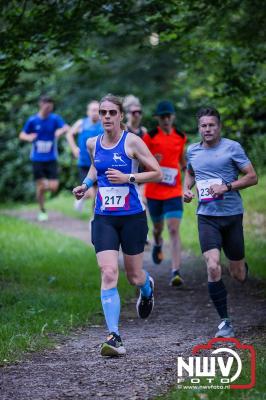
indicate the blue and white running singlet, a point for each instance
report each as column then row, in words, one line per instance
column 116, row 199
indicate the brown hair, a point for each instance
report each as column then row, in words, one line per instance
column 117, row 101
column 209, row 112
column 46, row 99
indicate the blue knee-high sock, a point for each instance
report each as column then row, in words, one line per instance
column 111, row 308
column 146, row 287
column 218, row 294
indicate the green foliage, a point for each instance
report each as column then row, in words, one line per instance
column 208, row 53
column 49, row 284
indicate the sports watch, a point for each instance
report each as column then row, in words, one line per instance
column 132, row 178
column 229, row 187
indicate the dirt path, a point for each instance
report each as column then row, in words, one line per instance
column 181, row 318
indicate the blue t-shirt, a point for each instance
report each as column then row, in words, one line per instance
column 88, row 130
column 223, row 163
column 44, row 147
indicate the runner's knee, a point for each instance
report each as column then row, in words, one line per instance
column 157, row 230
column 173, row 231
column 213, row 267
column 134, row 278
column 109, row 274
column 53, row 186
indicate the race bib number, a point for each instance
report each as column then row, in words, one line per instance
column 203, row 187
column 114, row 197
column 169, row 176
column 44, row 146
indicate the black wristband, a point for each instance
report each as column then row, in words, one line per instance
column 229, row 187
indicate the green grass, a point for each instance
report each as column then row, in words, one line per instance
column 256, row 393
column 63, row 202
column 49, row 284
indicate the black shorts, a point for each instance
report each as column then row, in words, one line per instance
column 109, row 232
column 83, row 172
column 222, row 233
column 45, row 169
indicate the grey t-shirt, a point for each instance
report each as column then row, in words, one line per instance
column 224, row 162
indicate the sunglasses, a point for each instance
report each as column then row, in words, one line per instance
column 136, row 112
column 103, row 113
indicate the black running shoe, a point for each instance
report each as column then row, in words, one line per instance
column 145, row 304
column 113, row 346
column 157, row 254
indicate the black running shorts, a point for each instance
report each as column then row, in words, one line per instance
column 45, row 169
column 109, row 232
column 222, row 233
column 83, row 172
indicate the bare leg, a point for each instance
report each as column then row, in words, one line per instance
column 108, row 263
column 157, row 232
column 173, row 225
column 134, row 269
column 238, row 269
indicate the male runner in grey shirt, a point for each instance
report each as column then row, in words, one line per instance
column 214, row 165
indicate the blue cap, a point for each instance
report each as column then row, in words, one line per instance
column 165, row 107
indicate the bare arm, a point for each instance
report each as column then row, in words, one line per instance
column 137, row 149
column 70, row 137
column 189, row 182
column 27, row 137
column 183, row 162
column 80, row 190
column 249, row 178
column 61, row 131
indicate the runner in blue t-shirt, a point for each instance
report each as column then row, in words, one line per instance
column 85, row 128
column 214, row 165
column 42, row 130
column 120, row 218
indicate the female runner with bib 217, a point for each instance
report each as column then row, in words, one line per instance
column 119, row 218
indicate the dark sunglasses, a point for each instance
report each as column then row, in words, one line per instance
column 103, row 113
column 136, row 112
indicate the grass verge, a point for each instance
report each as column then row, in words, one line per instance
column 49, row 284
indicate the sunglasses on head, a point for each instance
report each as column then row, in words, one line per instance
column 103, row 113
column 136, row 112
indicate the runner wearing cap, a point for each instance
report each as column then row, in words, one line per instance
column 214, row 165
column 164, row 199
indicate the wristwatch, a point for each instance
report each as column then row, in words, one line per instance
column 229, row 187
column 132, row 178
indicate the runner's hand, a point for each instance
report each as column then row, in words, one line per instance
column 218, row 190
column 188, row 196
column 115, row 176
column 31, row 137
column 79, row 191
